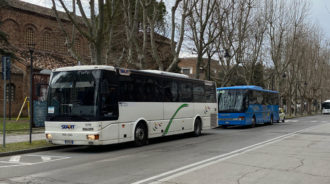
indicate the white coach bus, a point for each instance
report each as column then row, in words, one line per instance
column 326, row 107
column 98, row 105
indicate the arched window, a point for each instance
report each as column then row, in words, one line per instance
column 60, row 45
column 46, row 41
column 10, row 91
column 29, row 36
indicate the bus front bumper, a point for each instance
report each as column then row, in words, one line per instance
column 74, row 138
column 232, row 122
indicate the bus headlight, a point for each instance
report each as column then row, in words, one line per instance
column 93, row 137
column 241, row 118
column 49, row 136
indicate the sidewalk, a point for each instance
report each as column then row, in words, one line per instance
column 301, row 158
column 21, row 138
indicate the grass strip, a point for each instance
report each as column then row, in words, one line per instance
column 19, row 127
column 10, row 147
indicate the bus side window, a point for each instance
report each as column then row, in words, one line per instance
column 198, row 92
column 170, row 88
column 209, row 93
column 253, row 97
column 185, row 91
column 174, row 91
column 109, row 96
column 259, row 97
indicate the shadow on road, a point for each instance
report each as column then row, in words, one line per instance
column 128, row 145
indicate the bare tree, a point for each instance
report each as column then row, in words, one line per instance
column 92, row 28
column 255, row 43
column 152, row 20
column 234, row 24
column 200, row 20
column 187, row 6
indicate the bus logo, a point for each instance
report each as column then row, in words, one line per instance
column 67, row 126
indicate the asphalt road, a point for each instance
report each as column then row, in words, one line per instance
column 125, row 163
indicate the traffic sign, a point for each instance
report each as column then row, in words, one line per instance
column 6, row 67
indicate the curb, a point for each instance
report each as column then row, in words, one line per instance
column 33, row 150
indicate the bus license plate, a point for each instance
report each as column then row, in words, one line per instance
column 68, row 142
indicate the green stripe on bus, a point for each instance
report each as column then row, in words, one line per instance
column 173, row 116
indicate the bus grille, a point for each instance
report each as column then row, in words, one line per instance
column 214, row 122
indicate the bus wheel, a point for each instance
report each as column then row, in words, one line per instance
column 140, row 135
column 271, row 120
column 253, row 123
column 197, row 127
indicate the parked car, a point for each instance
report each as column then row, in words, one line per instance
column 282, row 115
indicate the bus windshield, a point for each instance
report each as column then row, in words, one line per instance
column 326, row 105
column 232, row 100
column 73, row 95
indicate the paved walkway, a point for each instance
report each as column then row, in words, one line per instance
column 21, row 138
column 298, row 158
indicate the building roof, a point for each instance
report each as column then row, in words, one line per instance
column 17, row 4
column 44, row 60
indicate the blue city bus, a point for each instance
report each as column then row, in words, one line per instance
column 247, row 105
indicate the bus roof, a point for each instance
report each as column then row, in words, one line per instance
column 84, row 67
column 327, row 101
column 256, row 88
column 166, row 73
column 121, row 70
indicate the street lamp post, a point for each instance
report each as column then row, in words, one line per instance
column 31, row 50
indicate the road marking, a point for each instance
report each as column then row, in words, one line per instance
column 204, row 163
column 46, row 158
column 15, row 159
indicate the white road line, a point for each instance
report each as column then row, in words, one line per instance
column 15, row 159
column 197, row 165
column 46, row 158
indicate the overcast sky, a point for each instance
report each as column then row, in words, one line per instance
column 320, row 12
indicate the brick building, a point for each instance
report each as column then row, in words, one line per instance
column 188, row 67
column 25, row 24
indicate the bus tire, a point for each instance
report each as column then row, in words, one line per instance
column 253, row 123
column 271, row 120
column 140, row 134
column 197, row 127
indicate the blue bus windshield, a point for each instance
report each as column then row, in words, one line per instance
column 232, row 100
